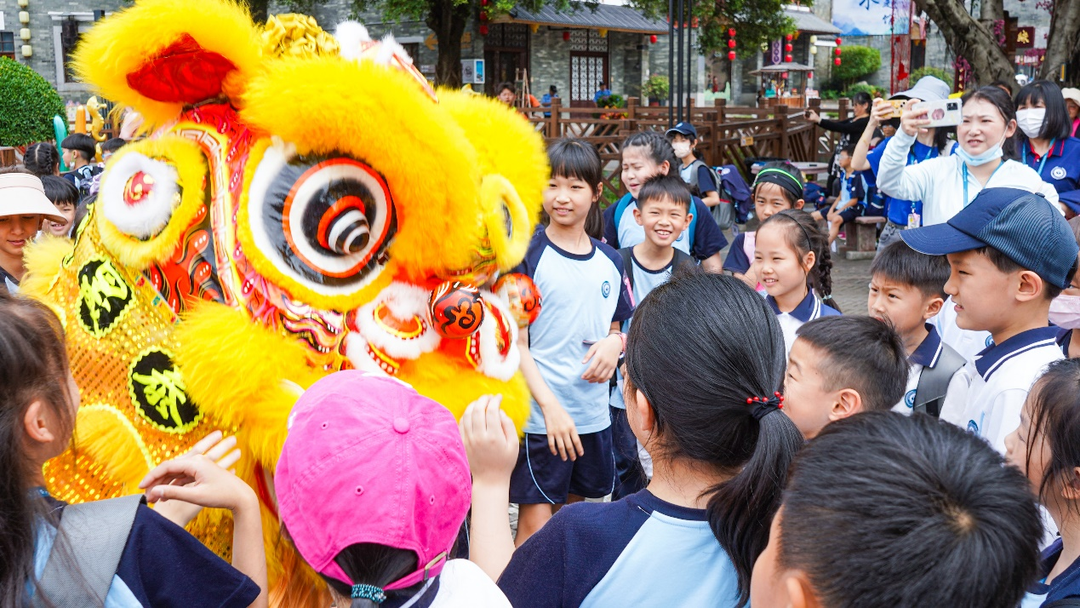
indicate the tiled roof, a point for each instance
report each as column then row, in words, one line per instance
column 602, row 16
column 808, row 22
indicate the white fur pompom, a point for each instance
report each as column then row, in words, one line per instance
column 350, row 36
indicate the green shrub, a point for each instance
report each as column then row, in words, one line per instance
column 830, row 94
column 862, row 87
column 611, row 101
column 656, row 87
column 856, row 62
column 27, row 105
column 939, row 73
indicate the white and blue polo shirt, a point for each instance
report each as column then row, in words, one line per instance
column 638, row 551
column 582, row 295
column 1059, row 167
column 996, row 384
column 809, row 309
column 708, row 238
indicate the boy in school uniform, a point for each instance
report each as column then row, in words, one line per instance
column 907, row 289
column 840, row 366
column 1011, row 253
column 664, row 212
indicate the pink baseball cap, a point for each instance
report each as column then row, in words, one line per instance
column 369, row 460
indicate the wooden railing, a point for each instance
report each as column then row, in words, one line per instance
column 727, row 135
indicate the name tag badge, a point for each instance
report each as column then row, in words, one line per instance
column 914, row 220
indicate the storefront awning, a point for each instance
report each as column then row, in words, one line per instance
column 809, row 23
column 602, row 17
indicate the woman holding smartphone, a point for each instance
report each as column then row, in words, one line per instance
column 947, row 184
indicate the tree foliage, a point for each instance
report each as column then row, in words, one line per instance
column 27, row 105
column 856, row 62
column 755, row 22
column 945, row 76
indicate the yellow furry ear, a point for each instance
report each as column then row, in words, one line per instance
column 514, row 165
column 160, row 55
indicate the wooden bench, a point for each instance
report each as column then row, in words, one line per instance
column 861, row 243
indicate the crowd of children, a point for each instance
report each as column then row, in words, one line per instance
column 758, row 447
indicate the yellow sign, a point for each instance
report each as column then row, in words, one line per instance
column 432, row 43
column 746, row 140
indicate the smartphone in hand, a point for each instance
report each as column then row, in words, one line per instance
column 942, row 113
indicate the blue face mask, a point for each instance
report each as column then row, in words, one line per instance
column 988, row 156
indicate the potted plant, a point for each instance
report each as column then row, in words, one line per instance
column 656, row 89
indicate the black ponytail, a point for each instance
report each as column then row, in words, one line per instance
column 733, row 351
column 804, row 236
column 373, row 564
column 657, row 148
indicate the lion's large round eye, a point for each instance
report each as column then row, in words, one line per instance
column 324, row 221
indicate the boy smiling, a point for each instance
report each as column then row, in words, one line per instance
column 1011, row 253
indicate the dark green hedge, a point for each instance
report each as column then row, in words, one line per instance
column 27, row 105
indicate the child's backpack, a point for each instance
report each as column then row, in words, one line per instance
column 91, row 537
column 628, row 263
column 734, row 190
column 624, row 202
column 934, row 381
column 814, row 197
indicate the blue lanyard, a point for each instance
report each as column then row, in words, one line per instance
column 1045, row 156
column 912, row 160
column 965, row 170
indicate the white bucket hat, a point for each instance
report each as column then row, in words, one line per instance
column 1071, row 93
column 23, row 194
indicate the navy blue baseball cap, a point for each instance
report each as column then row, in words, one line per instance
column 1023, row 226
column 683, row 128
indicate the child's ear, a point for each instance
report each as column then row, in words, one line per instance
column 640, row 415
column 848, row 403
column 637, row 216
column 800, row 592
column 665, row 167
column 36, row 423
column 689, row 218
column 1070, row 489
column 599, row 192
column 932, row 308
column 1029, row 286
column 808, row 260
column 798, row 204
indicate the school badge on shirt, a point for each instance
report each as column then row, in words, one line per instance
column 606, row 288
column 1058, row 173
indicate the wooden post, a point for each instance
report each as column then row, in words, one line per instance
column 7, row 157
column 843, row 108
column 781, row 113
column 714, row 131
column 553, row 122
column 815, row 105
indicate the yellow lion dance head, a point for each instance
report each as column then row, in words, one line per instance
column 304, row 203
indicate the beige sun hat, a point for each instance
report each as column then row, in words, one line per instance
column 1071, row 93
column 23, row 194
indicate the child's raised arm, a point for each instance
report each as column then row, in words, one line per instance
column 563, row 440
column 199, row 480
column 492, row 446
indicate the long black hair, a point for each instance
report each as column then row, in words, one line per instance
column 803, row 235
column 373, row 564
column 732, row 350
column 42, row 159
column 33, row 367
column 1055, row 415
column 574, row 158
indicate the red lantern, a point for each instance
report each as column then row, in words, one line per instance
column 837, row 61
column 836, row 52
column 731, row 32
column 787, row 58
column 483, row 29
column 483, row 2
column 838, row 41
column 809, row 75
column 783, row 75
column 731, row 44
column 652, row 39
column 788, row 48
column 788, row 37
column 731, row 55
column 483, row 16
column 566, row 36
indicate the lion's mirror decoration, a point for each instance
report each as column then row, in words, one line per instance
column 304, row 203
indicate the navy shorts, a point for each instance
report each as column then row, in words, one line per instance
column 541, row 477
column 851, row 213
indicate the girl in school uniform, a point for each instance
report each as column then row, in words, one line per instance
column 777, row 186
column 792, row 261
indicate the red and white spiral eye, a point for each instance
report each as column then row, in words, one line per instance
column 323, row 221
column 139, row 195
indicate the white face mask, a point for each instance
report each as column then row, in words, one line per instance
column 682, row 148
column 1065, row 312
column 1030, row 121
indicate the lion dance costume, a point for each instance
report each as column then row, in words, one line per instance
column 304, row 203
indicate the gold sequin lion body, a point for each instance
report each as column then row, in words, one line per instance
column 303, row 203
